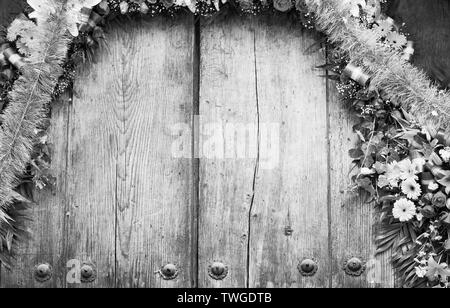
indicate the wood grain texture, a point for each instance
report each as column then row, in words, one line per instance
column 352, row 220
column 131, row 197
column 227, row 98
column 47, row 228
column 92, row 166
column 154, row 186
column 246, row 204
column 289, row 219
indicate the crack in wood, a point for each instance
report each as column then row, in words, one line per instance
column 255, row 174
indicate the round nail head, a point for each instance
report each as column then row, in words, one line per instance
column 218, row 270
column 43, row 272
column 308, row 267
column 88, row 272
column 169, row 272
column 354, row 267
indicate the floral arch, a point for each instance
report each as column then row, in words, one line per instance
column 403, row 153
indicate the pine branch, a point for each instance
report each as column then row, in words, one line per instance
column 26, row 110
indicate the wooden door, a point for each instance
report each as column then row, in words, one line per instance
column 185, row 147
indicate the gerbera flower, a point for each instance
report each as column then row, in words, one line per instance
column 393, row 173
column 411, row 189
column 408, row 170
column 396, row 40
column 404, row 210
column 383, row 28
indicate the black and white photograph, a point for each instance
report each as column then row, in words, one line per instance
column 218, row 150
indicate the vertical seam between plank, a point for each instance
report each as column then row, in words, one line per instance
column 116, row 222
column 195, row 203
column 329, row 210
column 252, row 203
column 65, row 231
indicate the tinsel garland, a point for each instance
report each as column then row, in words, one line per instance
column 401, row 82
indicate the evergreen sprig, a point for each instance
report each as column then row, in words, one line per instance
column 24, row 115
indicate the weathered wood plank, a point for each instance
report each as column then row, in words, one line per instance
column 244, row 83
column 227, row 99
column 150, row 98
column 135, row 219
column 92, row 168
column 289, row 220
column 47, row 227
column 106, row 175
column 352, row 220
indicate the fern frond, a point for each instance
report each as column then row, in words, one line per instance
column 25, row 112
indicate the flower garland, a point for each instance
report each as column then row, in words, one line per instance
column 403, row 153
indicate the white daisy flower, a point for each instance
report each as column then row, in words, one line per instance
column 404, row 210
column 445, row 154
column 411, row 189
